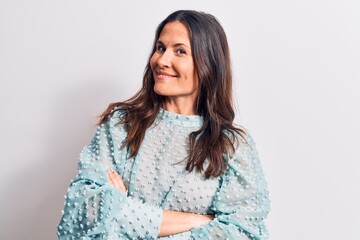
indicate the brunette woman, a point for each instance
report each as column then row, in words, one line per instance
column 169, row 162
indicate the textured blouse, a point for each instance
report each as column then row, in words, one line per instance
column 156, row 179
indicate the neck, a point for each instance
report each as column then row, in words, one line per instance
column 184, row 107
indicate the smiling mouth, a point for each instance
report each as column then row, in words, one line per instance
column 162, row 74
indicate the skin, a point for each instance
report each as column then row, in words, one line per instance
column 175, row 78
column 174, row 70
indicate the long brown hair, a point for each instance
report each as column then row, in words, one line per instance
column 216, row 138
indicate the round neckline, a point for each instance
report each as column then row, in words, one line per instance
column 179, row 119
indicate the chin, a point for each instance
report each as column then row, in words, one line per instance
column 161, row 92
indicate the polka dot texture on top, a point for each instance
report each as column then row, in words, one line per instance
column 156, row 179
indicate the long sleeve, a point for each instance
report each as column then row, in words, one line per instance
column 94, row 209
column 241, row 203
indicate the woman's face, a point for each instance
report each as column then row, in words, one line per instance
column 172, row 64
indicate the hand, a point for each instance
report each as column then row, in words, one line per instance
column 200, row 219
column 116, row 180
column 175, row 222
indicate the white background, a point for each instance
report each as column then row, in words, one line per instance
column 296, row 68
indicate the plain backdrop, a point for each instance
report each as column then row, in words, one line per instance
column 297, row 82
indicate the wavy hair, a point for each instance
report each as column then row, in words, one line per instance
column 216, row 138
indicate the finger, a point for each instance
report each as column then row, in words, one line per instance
column 119, row 181
column 116, row 180
column 110, row 180
column 113, row 180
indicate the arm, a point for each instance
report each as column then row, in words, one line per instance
column 94, row 209
column 173, row 222
column 242, row 202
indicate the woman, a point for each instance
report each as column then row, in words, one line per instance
column 169, row 162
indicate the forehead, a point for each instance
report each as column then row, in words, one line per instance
column 175, row 32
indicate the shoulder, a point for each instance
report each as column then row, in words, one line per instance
column 245, row 154
column 116, row 116
column 245, row 141
column 112, row 125
column 242, row 138
column 112, row 118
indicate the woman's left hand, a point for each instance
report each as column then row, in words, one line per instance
column 116, row 180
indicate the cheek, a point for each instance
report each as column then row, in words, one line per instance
column 191, row 72
column 153, row 60
column 194, row 76
column 184, row 68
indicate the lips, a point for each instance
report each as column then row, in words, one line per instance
column 165, row 74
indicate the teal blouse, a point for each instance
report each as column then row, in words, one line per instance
column 156, row 179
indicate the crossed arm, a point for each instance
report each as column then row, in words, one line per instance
column 96, row 205
column 173, row 222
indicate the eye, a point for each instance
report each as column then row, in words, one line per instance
column 180, row 51
column 160, row 48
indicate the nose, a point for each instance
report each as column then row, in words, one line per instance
column 164, row 59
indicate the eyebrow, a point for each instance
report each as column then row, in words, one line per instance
column 175, row 45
